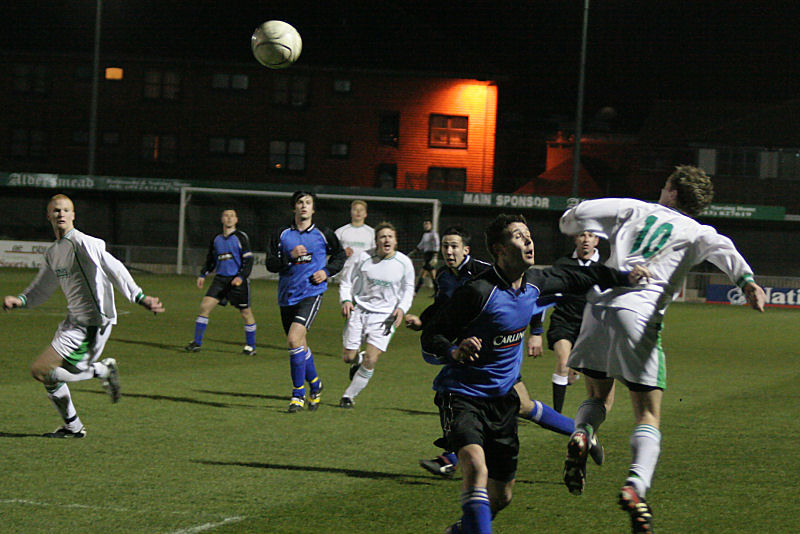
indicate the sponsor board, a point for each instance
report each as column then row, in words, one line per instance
column 776, row 296
column 22, row 254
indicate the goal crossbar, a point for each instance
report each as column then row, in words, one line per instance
column 436, row 207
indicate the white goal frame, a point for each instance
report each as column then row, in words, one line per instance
column 436, row 207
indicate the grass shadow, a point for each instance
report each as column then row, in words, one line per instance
column 15, row 435
column 245, row 395
column 355, row 473
column 186, row 400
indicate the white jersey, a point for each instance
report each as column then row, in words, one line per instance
column 429, row 242
column 379, row 285
column 662, row 239
column 80, row 264
column 359, row 238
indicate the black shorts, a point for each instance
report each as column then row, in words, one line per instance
column 561, row 329
column 427, row 262
column 304, row 312
column 488, row 422
column 222, row 290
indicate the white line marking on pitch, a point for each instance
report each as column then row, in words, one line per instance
column 76, row 505
column 208, row 526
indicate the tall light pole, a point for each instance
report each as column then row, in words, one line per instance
column 95, row 87
column 576, row 158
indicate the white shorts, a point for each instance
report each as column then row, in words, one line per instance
column 368, row 327
column 80, row 346
column 622, row 344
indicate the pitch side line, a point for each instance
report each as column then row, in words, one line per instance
column 209, row 526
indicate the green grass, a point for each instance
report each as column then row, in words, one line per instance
column 201, row 443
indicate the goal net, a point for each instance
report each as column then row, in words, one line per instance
column 260, row 213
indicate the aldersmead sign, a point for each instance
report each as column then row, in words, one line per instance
column 22, row 254
column 776, row 296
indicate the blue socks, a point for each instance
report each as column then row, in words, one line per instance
column 250, row 334
column 200, row 325
column 477, row 518
column 546, row 417
column 297, row 362
column 311, row 373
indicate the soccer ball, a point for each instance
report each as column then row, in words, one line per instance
column 276, row 44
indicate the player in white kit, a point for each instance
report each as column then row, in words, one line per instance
column 356, row 236
column 621, row 331
column 375, row 295
column 87, row 274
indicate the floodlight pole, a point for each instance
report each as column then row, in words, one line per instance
column 576, row 159
column 95, row 88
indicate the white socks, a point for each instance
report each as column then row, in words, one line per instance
column 359, row 382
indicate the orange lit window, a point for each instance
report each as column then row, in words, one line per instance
column 447, row 131
column 114, row 73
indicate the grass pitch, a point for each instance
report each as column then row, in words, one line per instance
column 201, row 442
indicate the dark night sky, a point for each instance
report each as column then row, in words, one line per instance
column 638, row 51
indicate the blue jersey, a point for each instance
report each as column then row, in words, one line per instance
column 448, row 281
column 229, row 255
column 489, row 308
column 294, row 274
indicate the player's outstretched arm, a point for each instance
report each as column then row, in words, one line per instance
column 153, row 304
column 10, row 302
column 754, row 294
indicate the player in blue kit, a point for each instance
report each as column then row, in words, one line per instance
column 304, row 256
column 230, row 256
column 478, row 338
column 461, row 267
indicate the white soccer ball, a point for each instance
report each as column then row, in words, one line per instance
column 276, row 44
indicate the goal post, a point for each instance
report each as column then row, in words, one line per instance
column 268, row 209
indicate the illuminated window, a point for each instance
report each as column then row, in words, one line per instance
column 342, row 86
column 389, row 129
column 290, row 90
column 448, row 131
column 447, row 179
column 28, row 143
column 287, row 155
column 160, row 148
column 227, row 145
column 114, row 73
column 340, row 150
column 161, row 85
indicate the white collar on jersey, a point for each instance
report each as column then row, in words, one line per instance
column 594, row 259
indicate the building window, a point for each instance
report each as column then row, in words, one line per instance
column 239, row 82
column 164, row 85
column 290, row 90
column 114, row 73
column 160, row 148
column 80, row 138
column 789, row 165
column 737, row 162
column 227, row 145
column 110, row 138
column 287, row 155
column 448, row 131
column 447, row 179
column 31, row 79
column 389, row 129
column 340, row 150
column 27, row 143
column 342, row 86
